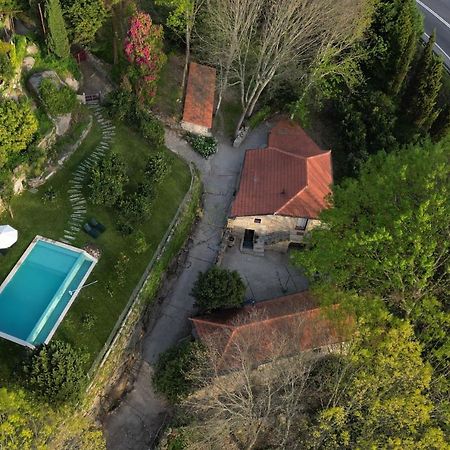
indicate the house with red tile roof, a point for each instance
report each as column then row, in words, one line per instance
column 199, row 100
column 280, row 327
column 283, row 188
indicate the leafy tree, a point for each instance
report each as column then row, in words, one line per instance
column 24, row 424
column 218, row 288
column 157, row 167
column 107, row 180
column 382, row 398
column 18, row 125
column 387, row 235
column 423, row 89
column 182, row 17
column 386, row 232
column 55, row 373
column 143, row 48
column 83, row 18
column 57, row 40
column 135, row 206
column 172, row 372
column 57, row 99
column 152, row 129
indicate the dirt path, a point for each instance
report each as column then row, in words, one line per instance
column 140, row 415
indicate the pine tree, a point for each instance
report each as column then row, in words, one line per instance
column 57, row 40
column 441, row 126
column 423, row 90
column 405, row 45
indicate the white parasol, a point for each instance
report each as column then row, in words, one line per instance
column 8, row 236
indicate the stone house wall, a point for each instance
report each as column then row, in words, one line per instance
column 276, row 231
column 195, row 129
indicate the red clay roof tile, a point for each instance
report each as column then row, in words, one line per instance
column 294, row 320
column 199, row 101
column 291, row 177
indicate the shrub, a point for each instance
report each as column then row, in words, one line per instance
column 107, row 180
column 259, row 117
column 135, row 206
column 57, row 100
column 18, row 125
column 218, row 288
column 205, row 146
column 172, row 372
column 141, row 244
column 152, row 129
column 55, row 372
column 88, row 321
column 157, row 167
column 143, row 48
column 123, row 106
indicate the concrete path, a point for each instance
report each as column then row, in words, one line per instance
column 134, row 424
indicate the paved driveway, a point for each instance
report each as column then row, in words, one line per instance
column 267, row 276
column 140, row 414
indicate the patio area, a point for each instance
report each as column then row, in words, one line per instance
column 267, row 276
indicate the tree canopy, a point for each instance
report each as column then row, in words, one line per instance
column 18, row 125
column 57, row 40
column 218, row 288
column 387, row 230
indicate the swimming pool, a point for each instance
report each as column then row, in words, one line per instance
column 39, row 290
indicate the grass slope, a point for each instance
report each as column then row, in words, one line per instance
column 105, row 300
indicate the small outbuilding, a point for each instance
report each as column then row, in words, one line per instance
column 273, row 328
column 199, row 101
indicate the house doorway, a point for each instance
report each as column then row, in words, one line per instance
column 249, row 236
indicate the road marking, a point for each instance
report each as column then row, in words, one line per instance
column 434, row 13
column 439, row 47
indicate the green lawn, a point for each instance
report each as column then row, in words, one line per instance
column 32, row 216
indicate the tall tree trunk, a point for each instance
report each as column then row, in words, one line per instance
column 186, row 58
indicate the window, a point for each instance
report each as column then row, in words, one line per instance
column 302, row 223
column 257, row 220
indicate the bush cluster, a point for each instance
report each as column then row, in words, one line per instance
column 218, row 288
column 203, row 145
column 259, row 117
column 109, row 186
column 57, row 100
column 55, row 372
column 152, row 129
column 172, row 373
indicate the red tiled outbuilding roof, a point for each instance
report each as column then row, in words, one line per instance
column 199, row 101
column 294, row 322
column 291, row 177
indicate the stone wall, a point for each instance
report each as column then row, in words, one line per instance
column 278, row 231
column 196, row 129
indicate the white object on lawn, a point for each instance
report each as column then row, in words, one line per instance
column 8, row 236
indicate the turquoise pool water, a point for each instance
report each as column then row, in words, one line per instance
column 37, row 295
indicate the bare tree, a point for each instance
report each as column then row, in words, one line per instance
column 229, row 27
column 241, row 404
column 271, row 39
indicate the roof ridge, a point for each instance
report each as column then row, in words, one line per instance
column 210, row 322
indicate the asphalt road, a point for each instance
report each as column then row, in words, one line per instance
column 437, row 17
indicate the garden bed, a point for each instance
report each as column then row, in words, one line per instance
column 96, row 310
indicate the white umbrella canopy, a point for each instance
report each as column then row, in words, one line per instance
column 8, row 236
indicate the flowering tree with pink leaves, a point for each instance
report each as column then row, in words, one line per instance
column 144, row 50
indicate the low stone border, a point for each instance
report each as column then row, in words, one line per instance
column 107, row 363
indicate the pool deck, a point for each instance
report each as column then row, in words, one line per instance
column 16, row 267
